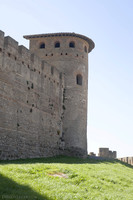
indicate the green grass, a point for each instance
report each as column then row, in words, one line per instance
column 86, row 179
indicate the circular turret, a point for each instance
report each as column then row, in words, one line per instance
column 68, row 52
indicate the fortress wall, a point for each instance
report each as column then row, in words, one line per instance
column 70, row 61
column 1, row 47
column 128, row 160
column 106, row 153
column 31, row 92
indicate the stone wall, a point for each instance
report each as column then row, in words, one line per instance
column 43, row 107
column 128, row 160
column 31, row 95
column 69, row 61
column 106, row 153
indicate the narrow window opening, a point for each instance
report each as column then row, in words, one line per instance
column 57, row 44
column 79, row 79
column 72, row 44
column 9, row 54
column 85, row 49
column 32, row 86
column 42, row 46
column 52, row 70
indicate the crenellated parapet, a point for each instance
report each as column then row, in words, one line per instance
column 43, row 95
column 128, row 160
column 31, row 95
column 106, row 153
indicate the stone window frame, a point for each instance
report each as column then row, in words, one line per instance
column 85, row 49
column 42, row 45
column 57, row 44
column 79, row 79
column 72, row 44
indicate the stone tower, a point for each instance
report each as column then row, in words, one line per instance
column 68, row 52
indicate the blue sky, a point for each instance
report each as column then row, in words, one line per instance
column 109, row 23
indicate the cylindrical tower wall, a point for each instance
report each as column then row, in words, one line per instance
column 69, row 55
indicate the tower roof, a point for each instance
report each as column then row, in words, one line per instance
column 90, row 42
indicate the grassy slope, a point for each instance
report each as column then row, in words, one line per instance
column 87, row 179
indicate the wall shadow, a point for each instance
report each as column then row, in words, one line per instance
column 14, row 191
column 65, row 160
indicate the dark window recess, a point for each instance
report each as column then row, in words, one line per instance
column 9, row 54
column 60, row 76
column 57, row 44
column 0, row 50
column 72, row 44
column 18, row 125
column 85, row 48
column 31, row 110
column 42, row 46
column 52, row 70
column 32, row 86
column 79, row 79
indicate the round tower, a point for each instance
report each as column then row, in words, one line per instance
column 68, row 52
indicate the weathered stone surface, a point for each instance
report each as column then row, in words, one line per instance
column 43, row 111
column 106, row 153
column 128, row 160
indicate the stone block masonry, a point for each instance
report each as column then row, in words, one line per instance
column 106, row 153
column 41, row 113
column 128, row 160
column 30, row 99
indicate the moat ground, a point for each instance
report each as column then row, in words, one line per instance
column 65, row 178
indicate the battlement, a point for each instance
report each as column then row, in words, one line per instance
column 28, row 60
column 106, row 153
column 128, row 160
column 43, row 96
column 31, row 98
